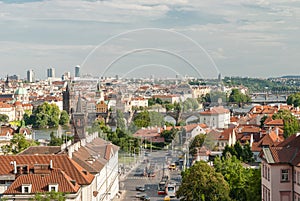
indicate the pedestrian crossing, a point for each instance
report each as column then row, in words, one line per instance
column 139, row 178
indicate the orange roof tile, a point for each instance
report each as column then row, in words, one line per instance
column 70, row 167
column 40, row 182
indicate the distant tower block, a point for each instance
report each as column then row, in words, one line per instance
column 30, row 76
column 77, row 71
column 51, row 72
column 220, row 77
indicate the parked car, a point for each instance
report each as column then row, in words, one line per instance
column 145, row 198
column 140, row 188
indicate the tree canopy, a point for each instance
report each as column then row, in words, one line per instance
column 196, row 143
column 243, row 153
column 244, row 183
column 146, row 118
column 237, row 97
column 291, row 124
column 17, row 144
column 46, row 115
column 294, row 99
column 202, row 182
column 64, row 118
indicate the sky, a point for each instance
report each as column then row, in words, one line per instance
column 142, row 38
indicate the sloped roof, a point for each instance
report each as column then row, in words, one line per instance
column 275, row 122
column 40, row 182
column 215, row 110
column 286, row 152
column 38, row 150
column 63, row 162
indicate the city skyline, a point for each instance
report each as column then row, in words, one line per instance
column 235, row 38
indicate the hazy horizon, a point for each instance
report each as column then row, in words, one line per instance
column 186, row 37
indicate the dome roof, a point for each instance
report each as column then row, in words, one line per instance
column 21, row 91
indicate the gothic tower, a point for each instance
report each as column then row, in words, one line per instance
column 79, row 121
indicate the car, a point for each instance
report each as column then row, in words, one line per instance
column 139, row 195
column 145, row 198
column 140, row 188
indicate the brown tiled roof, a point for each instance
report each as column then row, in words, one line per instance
column 287, row 151
column 255, row 147
column 251, row 129
column 275, row 122
column 215, row 110
column 70, row 167
column 6, row 129
column 88, row 159
column 38, row 150
column 40, row 182
column 225, row 134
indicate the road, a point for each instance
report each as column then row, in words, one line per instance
column 134, row 178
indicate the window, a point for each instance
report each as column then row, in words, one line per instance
column 53, row 187
column 284, row 175
column 268, row 176
column 298, row 179
column 26, row 188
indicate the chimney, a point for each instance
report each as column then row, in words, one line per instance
column 165, row 127
column 277, row 131
column 51, row 164
column 158, row 130
column 15, row 167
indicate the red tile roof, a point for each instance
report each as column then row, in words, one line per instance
column 63, row 162
column 215, row 110
column 276, row 122
column 40, row 182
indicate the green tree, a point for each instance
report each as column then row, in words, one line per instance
column 45, row 115
column 120, row 120
column 291, row 124
column 237, row 97
column 202, row 182
column 4, row 118
column 196, row 143
column 214, row 96
column 17, row 144
column 294, row 99
column 243, row 153
column 64, row 118
column 254, row 185
column 169, row 135
column 142, row 119
column 49, row 196
column 55, row 141
column 156, row 119
column 234, row 173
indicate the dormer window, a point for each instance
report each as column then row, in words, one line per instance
column 26, row 188
column 53, row 187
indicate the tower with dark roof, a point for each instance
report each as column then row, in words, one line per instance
column 66, row 99
column 79, row 121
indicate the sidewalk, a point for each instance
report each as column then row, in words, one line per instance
column 122, row 177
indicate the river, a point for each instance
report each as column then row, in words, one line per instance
column 45, row 133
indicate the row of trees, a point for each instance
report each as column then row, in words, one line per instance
column 243, row 153
column 234, row 97
column 46, row 116
column 228, row 180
